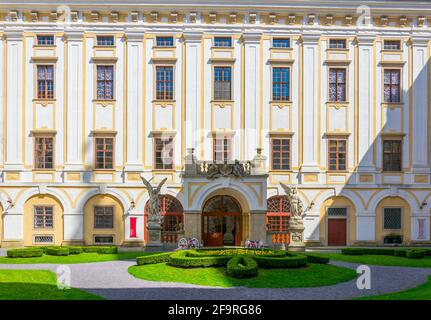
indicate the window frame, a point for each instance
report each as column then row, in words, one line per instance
column 164, row 37
column 280, row 214
column 400, row 89
column 94, row 217
column 45, row 45
column 46, row 96
column 214, row 44
column 338, row 139
column 289, row 83
column 163, row 138
column 101, row 136
column 156, row 98
column 44, row 206
column 385, row 41
column 337, row 48
column 400, row 140
column 104, row 98
column 271, row 145
column 229, row 151
column 277, row 38
column 224, row 66
column 105, row 45
column 43, row 136
column 346, row 81
column 401, row 218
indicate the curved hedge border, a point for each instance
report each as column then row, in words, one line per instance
column 24, row 253
column 183, row 260
column 154, row 258
column 316, row 259
column 291, row 261
column 242, row 267
column 211, row 252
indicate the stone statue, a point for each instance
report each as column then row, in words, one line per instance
column 153, row 205
column 296, row 226
column 296, row 207
column 238, row 169
column 213, row 171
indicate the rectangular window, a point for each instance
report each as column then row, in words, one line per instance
column 222, row 42
column 165, row 41
column 43, row 217
column 337, row 84
column 104, row 153
column 392, row 45
column 337, row 44
column 105, row 41
column 281, row 43
column 392, row 85
column 44, row 152
column 280, row 151
column 337, row 154
column 103, row 239
column 164, row 83
column 164, row 153
column 337, row 212
column 392, row 155
column 222, row 149
column 45, row 40
column 103, row 217
column 222, row 83
column 105, row 82
column 392, row 218
column 281, row 84
column 45, row 82
column 277, row 223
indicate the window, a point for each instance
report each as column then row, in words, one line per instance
column 45, row 82
column 165, row 41
column 44, row 152
column 45, row 40
column 278, row 212
column 392, row 85
column 222, row 42
column 104, row 153
column 280, row 84
column 222, row 149
column 103, row 217
column 392, row 218
column 337, row 153
column 337, row 44
column 280, row 154
column 43, row 239
column 164, row 153
column 392, row 155
column 337, row 84
column 105, row 41
column 392, row 45
column 222, row 83
column 164, row 83
column 43, row 217
column 337, row 212
column 281, row 43
column 105, row 82
column 103, row 239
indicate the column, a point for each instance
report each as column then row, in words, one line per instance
column 257, row 227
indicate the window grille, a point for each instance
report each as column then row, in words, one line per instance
column 337, row 212
column 392, row 218
column 103, row 239
column 43, row 239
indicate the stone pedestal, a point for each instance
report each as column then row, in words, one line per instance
column 296, row 230
column 154, row 236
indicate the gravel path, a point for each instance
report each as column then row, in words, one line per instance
column 112, row 281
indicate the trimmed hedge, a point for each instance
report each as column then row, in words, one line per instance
column 210, row 252
column 290, row 261
column 379, row 251
column 316, row 259
column 183, row 260
column 25, row 253
column 400, row 253
column 154, row 258
column 75, row 250
column 57, row 251
column 242, row 267
column 352, row 251
column 415, row 254
column 107, row 250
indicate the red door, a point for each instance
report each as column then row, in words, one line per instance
column 337, row 232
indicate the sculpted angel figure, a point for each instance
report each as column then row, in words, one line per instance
column 153, row 202
column 296, row 206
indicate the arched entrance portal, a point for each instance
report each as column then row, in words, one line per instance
column 221, row 222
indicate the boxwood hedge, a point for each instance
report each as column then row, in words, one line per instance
column 154, row 258
column 378, row 251
column 415, row 254
column 107, row 250
column 183, row 260
column 75, row 250
column 25, row 253
column 352, row 251
column 316, row 259
column 242, row 267
column 57, row 251
column 289, row 261
column 400, row 252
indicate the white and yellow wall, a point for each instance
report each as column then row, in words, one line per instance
column 135, row 116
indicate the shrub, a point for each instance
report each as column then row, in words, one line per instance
column 400, row 252
column 107, row 250
column 316, row 259
column 231, row 252
column 182, row 260
column 43, row 248
column 57, row 251
column 378, row 251
column 75, row 250
column 154, row 258
column 352, row 251
column 25, row 253
column 291, row 261
column 242, row 267
column 415, row 254
column 90, row 249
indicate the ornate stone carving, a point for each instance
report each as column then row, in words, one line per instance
column 153, row 194
column 215, row 170
column 296, row 225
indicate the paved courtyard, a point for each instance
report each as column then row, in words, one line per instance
column 112, row 281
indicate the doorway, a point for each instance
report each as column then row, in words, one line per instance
column 337, row 234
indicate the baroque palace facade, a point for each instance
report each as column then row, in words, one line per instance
column 322, row 95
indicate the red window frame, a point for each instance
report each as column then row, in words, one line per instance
column 335, row 152
column 389, row 87
column 43, row 215
column 106, row 161
column 43, row 150
column 164, row 83
column 103, row 85
column 45, row 86
column 161, row 154
column 283, row 156
column 222, row 149
column 338, row 84
column 278, row 220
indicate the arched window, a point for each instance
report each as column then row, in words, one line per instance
column 172, row 217
column 278, row 213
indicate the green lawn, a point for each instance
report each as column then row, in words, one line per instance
column 37, row 285
column 314, row 275
column 75, row 258
column 379, row 260
column 423, row 292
